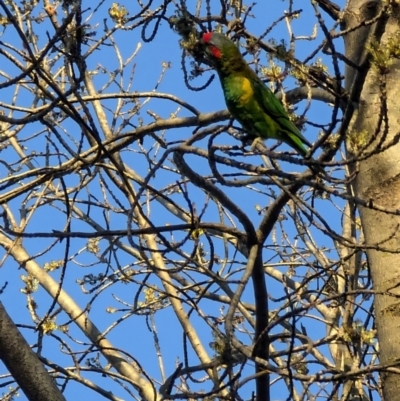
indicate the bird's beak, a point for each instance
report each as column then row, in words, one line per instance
column 205, row 47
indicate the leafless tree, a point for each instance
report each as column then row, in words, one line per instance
column 149, row 252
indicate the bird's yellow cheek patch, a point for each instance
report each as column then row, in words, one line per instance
column 247, row 90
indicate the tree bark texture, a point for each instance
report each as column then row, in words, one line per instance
column 377, row 116
column 23, row 363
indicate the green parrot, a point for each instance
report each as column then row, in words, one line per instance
column 248, row 99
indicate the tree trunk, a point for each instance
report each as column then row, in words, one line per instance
column 378, row 182
column 24, row 364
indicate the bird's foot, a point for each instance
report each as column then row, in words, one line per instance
column 247, row 140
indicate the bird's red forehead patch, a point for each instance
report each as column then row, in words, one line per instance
column 214, row 50
column 207, row 36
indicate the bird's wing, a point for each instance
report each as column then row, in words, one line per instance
column 274, row 109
